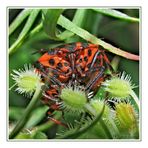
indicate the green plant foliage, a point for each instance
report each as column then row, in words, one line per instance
column 25, row 30
column 117, row 14
column 102, row 117
column 19, row 19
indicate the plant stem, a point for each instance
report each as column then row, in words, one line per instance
column 133, row 94
column 91, row 111
column 106, row 129
column 21, row 123
column 114, row 127
column 78, row 132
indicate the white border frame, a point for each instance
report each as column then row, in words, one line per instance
column 78, row 140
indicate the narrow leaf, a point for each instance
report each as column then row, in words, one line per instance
column 36, row 116
column 77, row 20
column 65, row 23
column 117, row 14
column 50, row 21
column 19, row 19
column 25, row 30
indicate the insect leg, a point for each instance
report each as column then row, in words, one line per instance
column 50, row 117
column 97, row 77
column 94, row 59
column 57, row 121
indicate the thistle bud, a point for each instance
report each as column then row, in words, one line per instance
column 26, row 80
column 119, row 87
column 126, row 115
column 73, row 99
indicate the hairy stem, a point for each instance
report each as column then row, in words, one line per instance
column 78, row 132
column 91, row 111
column 21, row 123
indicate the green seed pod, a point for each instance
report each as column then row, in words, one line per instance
column 126, row 116
column 119, row 87
column 73, row 99
column 26, row 80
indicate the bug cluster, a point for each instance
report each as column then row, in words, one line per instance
column 81, row 64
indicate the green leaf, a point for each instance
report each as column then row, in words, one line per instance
column 36, row 116
column 50, row 23
column 23, row 136
column 40, row 135
column 50, row 18
column 18, row 20
column 77, row 20
column 25, row 30
column 115, row 63
column 65, row 23
column 50, row 27
column 117, row 14
column 15, row 113
column 100, row 94
column 31, row 135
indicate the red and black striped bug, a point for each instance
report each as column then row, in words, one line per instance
column 76, row 63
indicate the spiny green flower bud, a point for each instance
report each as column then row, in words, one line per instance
column 119, row 87
column 126, row 116
column 73, row 99
column 26, row 80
